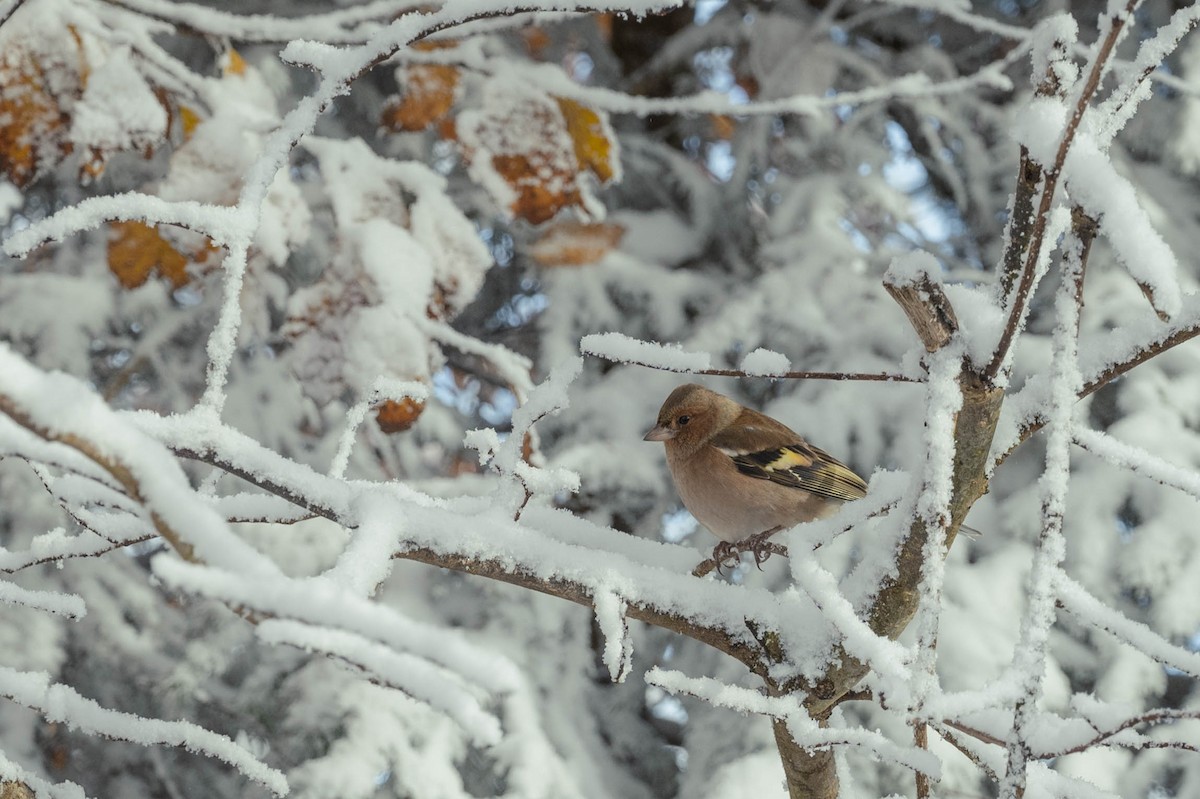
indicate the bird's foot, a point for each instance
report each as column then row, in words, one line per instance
column 761, row 547
column 728, row 553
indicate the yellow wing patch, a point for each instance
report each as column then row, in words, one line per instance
column 805, row 467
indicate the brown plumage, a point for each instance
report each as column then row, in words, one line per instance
column 741, row 472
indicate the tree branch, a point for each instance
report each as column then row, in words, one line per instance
column 581, row 595
column 1176, row 337
column 928, row 309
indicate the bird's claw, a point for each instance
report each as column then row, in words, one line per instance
column 758, row 545
column 726, row 551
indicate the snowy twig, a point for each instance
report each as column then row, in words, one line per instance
column 572, row 591
column 417, row 677
column 1030, row 655
column 806, row 732
column 17, row 783
column 884, row 377
column 1103, row 736
column 974, row 733
column 555, row 81
column 218, row 222
column 68, row 605
column 1124, row 100
column 921, row 741
column 59, row 408
column 962, row 747
column 618, row 348
column 1076, row 600
column 1051, row 174
column 1020, row 219
column 1173, row 337
column 13, row 562
column 1139, row 461
column 7, row 7
column 61, row 704
column 344, row 26
column 943, row 401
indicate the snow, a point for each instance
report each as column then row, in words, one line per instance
column 60, row 704
column 68, row 605
column 623, row 349
column 67, row 409
column 765, row 363
column 943, row 401
column 1095, row 185
column 618, row 646
column 1029, row 657
column 1091, row 611
column 117, row 84
column 803, row 729
column 412, row 675
column 1040, row 128
column 912, row 268
column 1050, row 46
column 10, row 771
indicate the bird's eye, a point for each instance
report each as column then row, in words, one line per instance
column 682, row 420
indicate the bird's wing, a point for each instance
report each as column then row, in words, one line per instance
column 799, row 465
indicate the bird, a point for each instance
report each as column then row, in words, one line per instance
column 743, row 474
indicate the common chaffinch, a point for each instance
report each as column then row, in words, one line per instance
column 740, row 472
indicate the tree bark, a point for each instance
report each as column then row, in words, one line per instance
column 810, row 775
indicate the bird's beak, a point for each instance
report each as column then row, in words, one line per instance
column 659, row 433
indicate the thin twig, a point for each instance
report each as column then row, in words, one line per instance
column 1151, row 350
column 1052, row 176
column 841, row 376
column 980, row 735
column 7, row 9
column 954, row 741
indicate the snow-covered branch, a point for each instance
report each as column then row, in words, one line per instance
column 58, row 703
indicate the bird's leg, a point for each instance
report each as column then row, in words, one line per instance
column 758, row 544
column 761, row 547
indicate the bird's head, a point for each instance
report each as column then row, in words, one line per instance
column 691, row 415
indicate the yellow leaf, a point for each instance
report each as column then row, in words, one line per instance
column 189, row 119
column 232, row 63
column 136, row 250
column 590, row 135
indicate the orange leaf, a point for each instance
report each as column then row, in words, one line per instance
column 429, row 93
column 590, row 135
column 136, row 250
column 571, row 243
column 532, row 166
column 32, row 124
column 723, row 126
column 536, row 40
column 396, row 416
